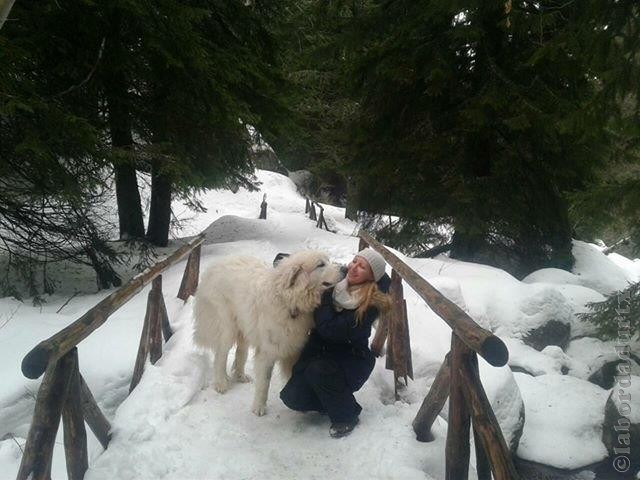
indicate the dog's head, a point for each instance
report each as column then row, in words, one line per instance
column 303, row 276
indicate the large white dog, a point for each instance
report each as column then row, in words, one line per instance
column 243, row 301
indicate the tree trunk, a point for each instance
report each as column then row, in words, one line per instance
column 160, row 212
column 351, row 210
column 127, row 194
column 465, row 246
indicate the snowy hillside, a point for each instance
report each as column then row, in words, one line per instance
column 175, row 426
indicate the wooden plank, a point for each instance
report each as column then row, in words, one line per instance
column 50, row 350
column 38, row 451
column 486, row 424
column 482, row 341
column 94, row 417
column 75, row 434
column 362, row 244
column 457, row 447
column 189, row 283
column 433, row 402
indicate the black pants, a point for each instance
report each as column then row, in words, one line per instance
column 319, row 384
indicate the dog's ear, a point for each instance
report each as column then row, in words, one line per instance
column 279, row 258
column 296, row 274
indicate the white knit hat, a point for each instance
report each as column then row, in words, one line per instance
column 375, row 260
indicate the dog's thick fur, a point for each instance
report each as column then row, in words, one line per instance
column 244, row 301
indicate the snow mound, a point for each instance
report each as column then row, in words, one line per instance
column 551, row 403
column 631, row 267
column 597, row 271
column 551, row 360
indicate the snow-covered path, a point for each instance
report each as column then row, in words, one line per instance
column 174, row 426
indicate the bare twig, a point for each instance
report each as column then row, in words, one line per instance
column 91, row 72
column 65, row 303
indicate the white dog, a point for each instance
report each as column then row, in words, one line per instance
column 244, row 301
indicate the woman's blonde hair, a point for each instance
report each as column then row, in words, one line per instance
column 371, row 297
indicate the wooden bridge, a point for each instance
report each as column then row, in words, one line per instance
column 63, row 393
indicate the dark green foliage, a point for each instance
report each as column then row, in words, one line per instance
column 618, row 316
column 485, row 118
column 51, row 154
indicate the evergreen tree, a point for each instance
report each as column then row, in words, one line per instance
column 51, row 155
column 484, row 115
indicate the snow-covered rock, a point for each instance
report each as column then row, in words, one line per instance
column 601, row 358
column 564, row 418
column 621, row 428
column 597, row 271
column 551, row 360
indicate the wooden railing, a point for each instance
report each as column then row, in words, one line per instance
column 63, row 392
column 457, row 379
column 310, row 208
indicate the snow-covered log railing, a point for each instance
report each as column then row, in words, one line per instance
column 458, row 379
column 63, row 392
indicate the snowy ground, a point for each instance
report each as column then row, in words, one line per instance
column 175, row 426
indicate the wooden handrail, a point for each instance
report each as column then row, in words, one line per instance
column 52, row 349
column 482, row 341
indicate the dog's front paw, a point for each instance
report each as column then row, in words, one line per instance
column 221, row 385
column 259, row 410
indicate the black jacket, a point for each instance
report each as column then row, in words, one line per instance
column 337, row 336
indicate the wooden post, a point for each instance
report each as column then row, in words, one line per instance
column 485, row 423
column 320, row 217
column 398, row 347
column 362, row 244
column 312, row 212
column 143, row 346
column 94, row 417
column 483, row 467
column 189, row 283
column 155, row 320
column 167, row 332
column 382, row 331
column 406, row 342
column 306, row 205
column 38, row 451
column 263, row 208
column 433, row 402
column 457, row 446
column 75, row 434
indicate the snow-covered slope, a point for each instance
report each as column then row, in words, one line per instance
column 175, row 426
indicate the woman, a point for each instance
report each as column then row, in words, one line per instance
column 336, row 360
